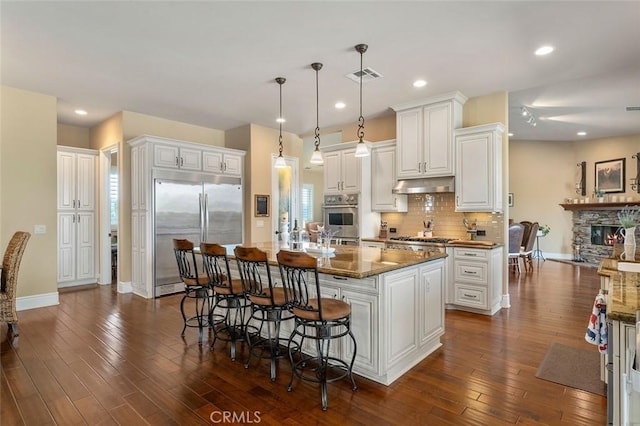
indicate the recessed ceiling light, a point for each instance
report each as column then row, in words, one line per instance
column 80, row 112
column 544, row 50
column 340, row 105
column 581, row 133
column 280, row 120
column 510, row 135
column 419, row 83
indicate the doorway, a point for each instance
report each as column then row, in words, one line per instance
column 109, row 216
column 285, row 187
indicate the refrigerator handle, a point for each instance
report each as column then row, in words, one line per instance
column 201, row 217
column 206, row 214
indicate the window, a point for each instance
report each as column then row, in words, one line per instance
column 307, row 203
column 113, row 199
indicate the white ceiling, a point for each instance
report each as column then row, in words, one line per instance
column 213, row 63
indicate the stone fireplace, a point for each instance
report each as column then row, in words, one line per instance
column 596, row 230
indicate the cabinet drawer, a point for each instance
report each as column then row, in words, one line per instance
column 471, row 272
column 467, row 253
column 472, row 296
column 370, row 284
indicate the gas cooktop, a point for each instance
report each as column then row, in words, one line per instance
column 436, row 240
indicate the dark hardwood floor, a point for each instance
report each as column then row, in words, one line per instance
column 104, row 358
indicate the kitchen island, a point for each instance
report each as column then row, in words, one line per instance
column 397, row 304
column 623, row 301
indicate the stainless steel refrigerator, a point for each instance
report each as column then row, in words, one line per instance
column 198, row 208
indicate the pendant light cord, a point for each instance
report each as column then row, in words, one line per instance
column 280, row 82
column 361, row 49
column 317, row 131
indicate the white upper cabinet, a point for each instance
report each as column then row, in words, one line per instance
column 219, row 162
column 342, row 171
column 424, row 132
column 383, row 179
column 76, row 180
column 479, row 168
column 176, row 157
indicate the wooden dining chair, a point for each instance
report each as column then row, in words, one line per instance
column 9, row 280
column 516, row 231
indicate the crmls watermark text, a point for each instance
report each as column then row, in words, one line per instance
column 245, row 417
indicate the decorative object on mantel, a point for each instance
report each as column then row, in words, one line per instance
column 280, row 163
column 629, row 218
column 361, row 148
column 316, row 157
column 610, row 175
column 635, row 182
column 597, row 193
column 581, row 188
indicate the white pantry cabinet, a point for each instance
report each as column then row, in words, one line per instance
column 383, row 179
column 76, row 194
column 479, row 168
column 424, row 132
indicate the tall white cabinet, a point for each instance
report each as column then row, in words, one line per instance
column 383, row 179
column 424, row 132
column 77, row 230
column 479, row 168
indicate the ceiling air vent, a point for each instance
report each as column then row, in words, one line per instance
column 628, row 108
column 368, row 74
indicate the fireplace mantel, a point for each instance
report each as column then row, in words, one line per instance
column 599, row 206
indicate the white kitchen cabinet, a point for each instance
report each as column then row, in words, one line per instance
column 220, row 162
column 177, row 157
column 383, row 179
column 479, row 168
column 76, row 239
column 373, row 244
column 76, row 179
column 424, row 132
column 342, row 171
column 477, row 280
column 431, row 303
column 364, row 326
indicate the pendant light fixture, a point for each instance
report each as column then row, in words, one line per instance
column 316, row 157
column 280, row 163
column 361, row 147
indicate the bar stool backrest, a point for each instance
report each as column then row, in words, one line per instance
column 187, row 265
column 252, row 265
column 297, row 269
column 216, row 265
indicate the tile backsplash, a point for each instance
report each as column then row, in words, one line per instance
column 446, row 222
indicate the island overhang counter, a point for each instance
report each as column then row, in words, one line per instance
column 397, row 304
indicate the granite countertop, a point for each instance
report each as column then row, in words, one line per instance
column 357, row 262
column 624, row 288
column 455, row 243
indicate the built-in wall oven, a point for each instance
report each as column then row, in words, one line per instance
column 341, row 217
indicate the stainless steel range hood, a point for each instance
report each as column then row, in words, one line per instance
column 425, row 186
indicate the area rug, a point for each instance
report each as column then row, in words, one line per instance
column 572, row 367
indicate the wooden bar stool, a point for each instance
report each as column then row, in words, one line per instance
column 228, row 295
column 196, row 287
column 320, row 319
column 269, row 306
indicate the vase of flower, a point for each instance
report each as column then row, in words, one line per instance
column 629, row 219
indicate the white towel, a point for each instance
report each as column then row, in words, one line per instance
column 597, row 328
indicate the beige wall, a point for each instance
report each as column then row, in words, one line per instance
column 28, row 184
column 544, row 173
column 264, row 143
column 376, row 129
column 74, row 136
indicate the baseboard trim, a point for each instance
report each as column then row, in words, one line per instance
column 125, row 287
column 506, row 301
column 37, row 301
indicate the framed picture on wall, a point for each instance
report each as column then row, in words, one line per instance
column 610, row 175
column 262, row 205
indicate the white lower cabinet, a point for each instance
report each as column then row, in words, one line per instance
column 76, row 247
column 372, row 244
column 476, row 281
